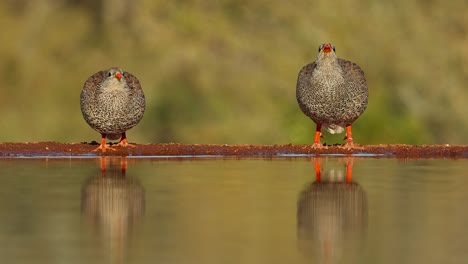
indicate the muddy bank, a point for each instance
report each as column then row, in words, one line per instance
column 174, row 149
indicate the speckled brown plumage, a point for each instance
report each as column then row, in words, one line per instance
column 112, row 102
column 332, row 92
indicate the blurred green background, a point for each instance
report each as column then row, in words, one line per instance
column 225, row 71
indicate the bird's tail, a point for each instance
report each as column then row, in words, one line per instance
column 334, row 128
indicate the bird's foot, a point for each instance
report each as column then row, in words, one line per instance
column 103, row 148
column 350, row 146
column 124, row 143
column 318, row 145
column 349, row 140
column 347, row 146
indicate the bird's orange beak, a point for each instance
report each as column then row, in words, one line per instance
column 118, row 75
column 327, row 48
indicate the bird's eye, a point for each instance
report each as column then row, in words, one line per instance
column 320, row 48
column 109, row 74
column 333, row 48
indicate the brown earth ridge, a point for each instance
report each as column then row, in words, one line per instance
column 56, row 149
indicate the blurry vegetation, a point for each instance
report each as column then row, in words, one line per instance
column 225, row 71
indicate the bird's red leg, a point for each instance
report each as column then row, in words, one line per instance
column 318, row 135
column 349, row 137
column 123, row 141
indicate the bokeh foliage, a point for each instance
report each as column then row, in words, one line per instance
column 225, row 71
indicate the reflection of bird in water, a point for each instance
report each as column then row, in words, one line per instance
column 112, row 202
column 332, row 215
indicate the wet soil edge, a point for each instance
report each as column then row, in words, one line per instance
column 175, row 149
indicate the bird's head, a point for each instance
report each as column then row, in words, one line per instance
column 326, row 50
column 114, row 80
column 116, row 73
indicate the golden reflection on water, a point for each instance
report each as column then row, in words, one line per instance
column 332, row 214
column 240, row 211
column 112, row 203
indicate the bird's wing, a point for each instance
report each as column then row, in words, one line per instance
column 92, row 83
column 132, row 81
column 304, row 77
column 308, row 69
column 353, row 72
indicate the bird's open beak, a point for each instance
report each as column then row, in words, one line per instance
column 118, row 75
column 327, row 48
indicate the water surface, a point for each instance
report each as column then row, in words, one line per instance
column 283, row 210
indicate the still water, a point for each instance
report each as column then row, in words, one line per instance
column 298, row 210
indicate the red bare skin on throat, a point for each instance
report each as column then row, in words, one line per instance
column 327, row 48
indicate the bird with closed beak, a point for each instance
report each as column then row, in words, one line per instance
column 112, row 102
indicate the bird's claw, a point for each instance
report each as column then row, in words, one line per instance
column 318, row 145
column 350, row 146
column 103, row 148
column 124, row 143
